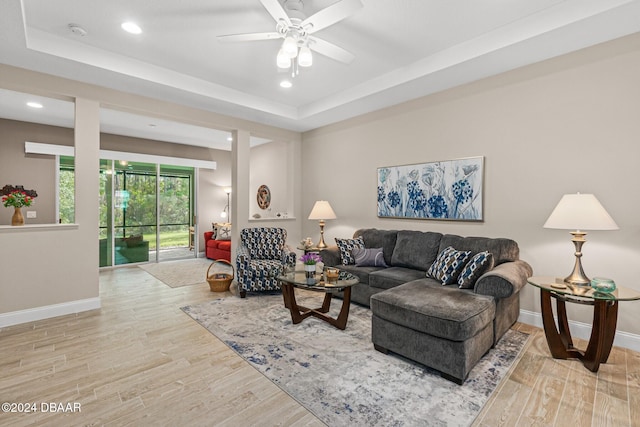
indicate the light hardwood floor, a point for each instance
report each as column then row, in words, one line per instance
column 141, row 361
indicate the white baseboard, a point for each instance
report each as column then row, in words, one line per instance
column 583, row 330
column 48, row 311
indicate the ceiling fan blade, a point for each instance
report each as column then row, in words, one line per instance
column 276, row 10
column 330, row 15
column 249, row 37
column 330, row 50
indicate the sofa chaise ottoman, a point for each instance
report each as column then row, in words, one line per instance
column 445, row 327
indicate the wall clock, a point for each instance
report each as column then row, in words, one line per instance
column 264, row 197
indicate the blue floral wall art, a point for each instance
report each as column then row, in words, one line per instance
column 445, row 190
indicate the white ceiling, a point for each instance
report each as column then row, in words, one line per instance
column 403, row 49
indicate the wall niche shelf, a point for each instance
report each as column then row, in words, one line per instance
column 291, row 218
column 36, row 227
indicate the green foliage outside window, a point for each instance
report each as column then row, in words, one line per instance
column 135, row 203
column 67, row 182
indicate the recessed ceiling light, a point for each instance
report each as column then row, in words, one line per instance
column 286, row 84
column 229, row 138
column 33, row 104
column 131, row 27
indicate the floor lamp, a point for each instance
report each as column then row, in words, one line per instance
column 226, row 211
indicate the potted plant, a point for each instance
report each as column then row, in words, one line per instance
column 309, row 260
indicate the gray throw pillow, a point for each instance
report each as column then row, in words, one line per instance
column 369, row 257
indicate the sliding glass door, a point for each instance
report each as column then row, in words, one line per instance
column 145, row 212
column 106, row 213
column 175, row 198
column 134, row 211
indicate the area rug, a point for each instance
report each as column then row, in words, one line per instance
column 181, row 272
column 338, row 376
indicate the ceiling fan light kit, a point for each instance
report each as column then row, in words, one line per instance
column 283, row 60
column 305, row 58
column 296, row 30
column 290, row 43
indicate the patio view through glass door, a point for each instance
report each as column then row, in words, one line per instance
column 175, row 212
column 145, row 212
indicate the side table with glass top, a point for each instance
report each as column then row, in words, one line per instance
column 290, row 280
column 605, row 318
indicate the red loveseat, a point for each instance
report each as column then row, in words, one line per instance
column 216, row 249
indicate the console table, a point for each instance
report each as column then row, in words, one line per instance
column 605, row 318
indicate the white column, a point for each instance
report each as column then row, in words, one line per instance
column 87, row 166
column 240, row 167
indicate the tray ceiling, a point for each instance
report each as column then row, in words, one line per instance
column 403, row 49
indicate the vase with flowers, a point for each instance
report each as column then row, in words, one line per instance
column 17, row 197
column 310, row 260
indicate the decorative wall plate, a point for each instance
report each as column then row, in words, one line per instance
column 264, row 197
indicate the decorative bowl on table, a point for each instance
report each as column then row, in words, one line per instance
column 602, row 284
column 332, row 274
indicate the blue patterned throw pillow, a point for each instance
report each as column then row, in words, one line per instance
column 448, row 265
column 476, row 267
column 346, row 246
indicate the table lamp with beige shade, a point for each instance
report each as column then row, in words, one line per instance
column 322, row 211
column 579, row 212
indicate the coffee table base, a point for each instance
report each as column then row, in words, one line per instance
column 299, row 313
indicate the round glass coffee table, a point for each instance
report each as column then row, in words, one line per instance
column 605, row 318
column 318, row 283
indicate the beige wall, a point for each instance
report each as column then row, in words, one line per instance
column 160, row 148
column 563, row 126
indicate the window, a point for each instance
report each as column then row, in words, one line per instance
column 66, row 191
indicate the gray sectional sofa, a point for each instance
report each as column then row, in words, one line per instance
column 441, row 326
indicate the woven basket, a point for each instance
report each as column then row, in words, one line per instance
column 220, row 282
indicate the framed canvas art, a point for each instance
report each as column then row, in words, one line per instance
column 444, row 190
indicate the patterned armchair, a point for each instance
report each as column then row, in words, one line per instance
column 262, row 254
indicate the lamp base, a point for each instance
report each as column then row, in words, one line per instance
column 577, row 281
column 577, row 276
column 321, row 244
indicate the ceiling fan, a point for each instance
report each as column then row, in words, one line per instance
column 297, row 30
